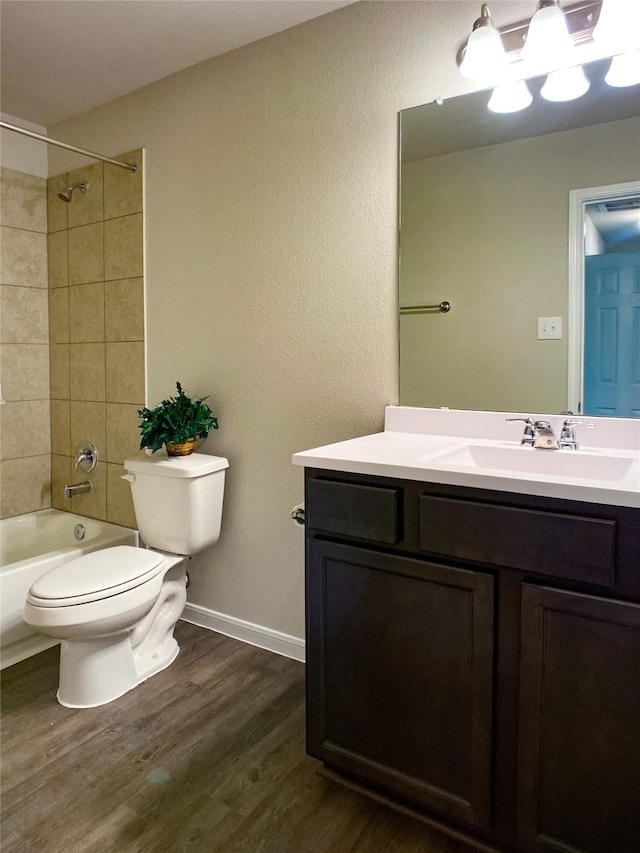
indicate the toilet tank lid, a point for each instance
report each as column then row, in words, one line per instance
column 195, row 465
column 96, row 572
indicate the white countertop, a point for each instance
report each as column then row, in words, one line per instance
column 417, row 444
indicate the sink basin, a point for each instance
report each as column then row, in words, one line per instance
column 528, row 460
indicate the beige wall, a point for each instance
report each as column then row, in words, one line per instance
column 487, row 229
column 25, row 466
column 96, row 301
column 270, row 216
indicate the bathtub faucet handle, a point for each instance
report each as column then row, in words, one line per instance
column 86, row 457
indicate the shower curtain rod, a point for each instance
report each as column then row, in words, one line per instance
column 132, row 167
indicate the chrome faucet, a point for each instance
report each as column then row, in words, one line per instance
column 568, row 435
column 77, row 489
column 540, row 433
column 545, row 438
column 537, row 434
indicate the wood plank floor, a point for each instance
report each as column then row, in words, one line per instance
column 207, row 756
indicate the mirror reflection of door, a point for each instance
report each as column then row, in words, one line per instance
column 612, row 307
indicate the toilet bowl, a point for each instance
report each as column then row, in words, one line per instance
column 115, row 610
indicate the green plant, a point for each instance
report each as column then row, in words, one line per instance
column 175, row 420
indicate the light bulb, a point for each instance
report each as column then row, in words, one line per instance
column 484, row 57
column 618, row 26
column 565, row 85
column 624, row 70
column 510, row 97
column 548, row 43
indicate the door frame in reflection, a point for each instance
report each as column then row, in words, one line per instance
column 578, row 200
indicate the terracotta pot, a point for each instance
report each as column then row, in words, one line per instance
column 183, row 449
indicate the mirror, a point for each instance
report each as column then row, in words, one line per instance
column 484, row 225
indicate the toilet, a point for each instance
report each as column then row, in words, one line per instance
column 115, row 610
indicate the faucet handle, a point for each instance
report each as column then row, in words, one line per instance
column 571, row 423
column 86, row 457
column 568, row 436
column 529, row 434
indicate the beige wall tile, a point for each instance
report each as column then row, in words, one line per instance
column 24, row 315
column 88, row 423
column 119, row 501
column 122, row 188
column 86, row 207
column 23, row 201
column 25, row 429
column 124, row 310
column 123, row 247
column 86, row 313
column 26, row 485
column 60, row 476
column 125, row 373
column 23, row 258
column 58, row 259
column 60, row 371
column 123, row 432
column 59, row 315
column 24, row 371
column 60, row 427
column 86, row 254
column 87, row 372
column 94, row 504
column 56, row 209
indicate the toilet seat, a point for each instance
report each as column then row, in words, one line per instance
column 96, row 576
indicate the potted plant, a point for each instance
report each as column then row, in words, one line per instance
column 177, row 423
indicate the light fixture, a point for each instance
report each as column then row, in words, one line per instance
column 618, row 25
column 624, row 70
column 510, row 97
column 548, row 43
column 566, row 84
column 484, row 58
column 618, row 30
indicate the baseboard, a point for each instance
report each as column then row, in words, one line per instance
column 256, row 635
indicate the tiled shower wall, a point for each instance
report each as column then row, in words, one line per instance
column 25, row 447
column 96, row 308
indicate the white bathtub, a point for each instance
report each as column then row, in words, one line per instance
column 30, row 545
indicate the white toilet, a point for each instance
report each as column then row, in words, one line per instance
column 115, row 610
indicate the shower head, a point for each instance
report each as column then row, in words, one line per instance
column 65, row 195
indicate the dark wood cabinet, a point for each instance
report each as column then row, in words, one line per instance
column 579, row 757
column 402, row 656
column 475, row 656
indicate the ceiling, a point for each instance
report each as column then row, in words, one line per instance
column 60, row 58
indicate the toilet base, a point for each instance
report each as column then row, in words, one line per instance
column 95, row 671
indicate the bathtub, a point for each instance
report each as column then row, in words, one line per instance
column 30, row 545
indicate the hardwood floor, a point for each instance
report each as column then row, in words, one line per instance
column 207, row 756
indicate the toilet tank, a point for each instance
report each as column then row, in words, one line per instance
column 177, row 499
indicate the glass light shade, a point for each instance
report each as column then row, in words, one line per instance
column 565, row 85
column 624, row 70
column 548, row 43
column 510, row 97
column 618, row 26
column 484, row 58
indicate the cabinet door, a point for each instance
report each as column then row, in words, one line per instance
column 399, row 676
column 579, row 770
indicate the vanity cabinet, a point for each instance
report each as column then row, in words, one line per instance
column 474, row 656
column 579, row 779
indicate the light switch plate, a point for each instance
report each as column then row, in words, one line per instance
column 549, row 328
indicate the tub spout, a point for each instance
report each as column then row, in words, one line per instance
column 77, row 489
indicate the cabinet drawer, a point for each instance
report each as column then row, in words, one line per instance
column 564, row 546
column 350, row 509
